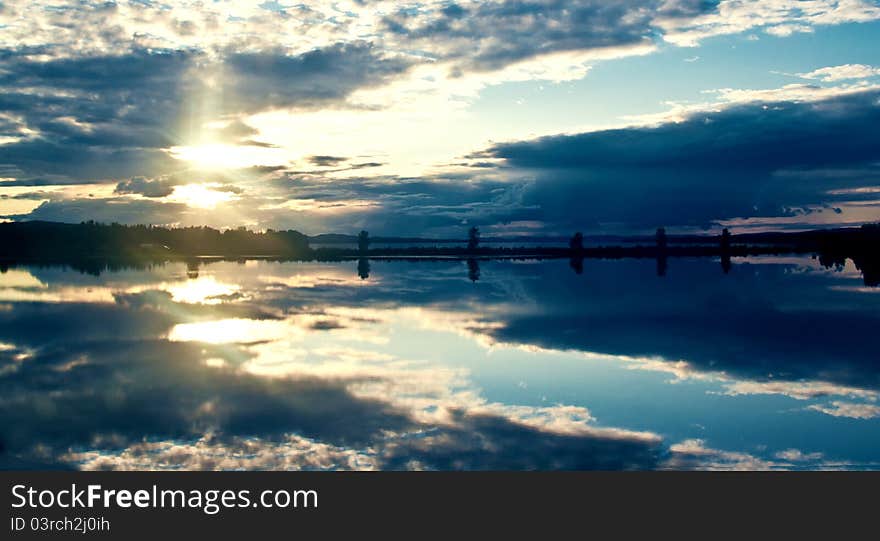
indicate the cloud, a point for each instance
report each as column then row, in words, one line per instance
column 491, row 442
column 798, row 135
column 629, row 317
column 215, row 399
column 796, row 455
column 694, row 454
column 146, row 187
column 327, row 161
column 799, row 390
column 775, row 17
column 709, row 167
column 104, row 211
column 290, row 453
column 478, row 36
column 841, row 73
column 851, row 410
column 489, row 36
column 267, row 80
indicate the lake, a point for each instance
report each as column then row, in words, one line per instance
column 441, row 365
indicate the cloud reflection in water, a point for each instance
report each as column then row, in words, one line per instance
column 293, row 365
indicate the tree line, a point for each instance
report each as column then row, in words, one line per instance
column 49, row 239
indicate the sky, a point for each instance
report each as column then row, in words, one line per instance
column 520, row 117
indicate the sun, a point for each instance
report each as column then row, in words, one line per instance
column 203, row 196
column 222, row 156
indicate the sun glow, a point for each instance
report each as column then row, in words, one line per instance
column 205, row 196
column 203, row 290
column 221, row 156
column 228, row 331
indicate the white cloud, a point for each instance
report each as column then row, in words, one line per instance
column 843, row 72
column 799, row 390
column 206, row 453
column 796, row 455
column 851, row 410
column 785, row 30
column 775, row 17
column 695, row 454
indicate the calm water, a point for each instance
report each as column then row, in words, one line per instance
column 265, row 365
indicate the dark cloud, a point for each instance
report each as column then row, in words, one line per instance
column 235, row 130
column 73, row 163
column 100, row 210
column 488, row 36
column 164, row 186
column 490, row 442
column 764, row 322
column 441, row 205
column 266, row 80
column 146, row 187
column 195, row 399
column 329, row 165
column 42, row 181
column 713, row 166
column 753, row 137
column 327, row 161
column 31, row 196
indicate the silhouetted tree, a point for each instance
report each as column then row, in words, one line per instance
column 473, row 238
column 661, row 251
column 869, row 265
column 363, row 268
column 661, row 238
column 473, row 269
column 576, row 242
column 725, row 240
column 834, row 261
column 363, row 241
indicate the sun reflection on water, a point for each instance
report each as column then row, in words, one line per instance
column 202, row 290
column 228, row 331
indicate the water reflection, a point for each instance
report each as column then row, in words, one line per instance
column 473, row 267
column 398, row 364
column 363, row 268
